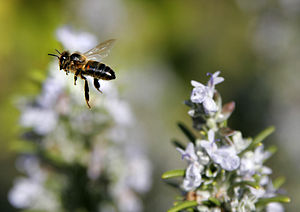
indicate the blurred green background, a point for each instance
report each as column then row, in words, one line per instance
column 162, row 45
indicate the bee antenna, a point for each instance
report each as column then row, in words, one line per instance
column 57, row 51
column 54, row 55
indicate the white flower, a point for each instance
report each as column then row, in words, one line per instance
column 204, row 94
column 193, row 177
column 202, row 195
column 189, row 153
column 41, row 120
column 247, row 204
column 203, row 157
column 247, row 164
column 225, row 156
column 24, row 193
column 239, row 142
column 251, row 162
column 260, row 155
column 257, row 192
column 29, row 193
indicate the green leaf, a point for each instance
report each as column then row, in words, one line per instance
column 187, row 132
column 248, row 183
column 262, row 135
column 178, row 144
column 281, row 199
column 173, row 173
column 278, row 182
column 215, row 201
column 173, row 184
column 259, row 138
column 183, row 205
column 211, row 202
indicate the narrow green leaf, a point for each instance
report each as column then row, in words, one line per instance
column 187, row 132
column 183, row 205
column 215, row 201
column 178, row 144
column 173, row 173
column 281, row 199
column 262, row 135
column 258, row 139
column 248, row 183
column 278, row 182
column 173, row 184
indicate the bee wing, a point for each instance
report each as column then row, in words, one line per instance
column 100, row 51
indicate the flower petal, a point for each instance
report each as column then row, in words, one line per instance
column 227, row 158
column 192, row 178
column 197, row 84
column 199, row 94
column 211, row 135
column 210, row 147
column 189, row 153
column 210, row 105
column 218, row 80
column 239, row 142
column 214, row 79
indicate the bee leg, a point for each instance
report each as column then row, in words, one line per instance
column 75, row 76
column 86, row 90
column 97, row 85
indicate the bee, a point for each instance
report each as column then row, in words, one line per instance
column 87, row 64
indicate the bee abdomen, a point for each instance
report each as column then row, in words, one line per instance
column 105, row 72
column 99, row 70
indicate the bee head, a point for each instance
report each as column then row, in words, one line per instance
column 64, row 60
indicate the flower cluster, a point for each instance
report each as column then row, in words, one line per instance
column 225, row 171
column 76, row 159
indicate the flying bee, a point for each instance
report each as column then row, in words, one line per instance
column 87, row 64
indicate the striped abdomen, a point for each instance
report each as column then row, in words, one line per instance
column 99, row 70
